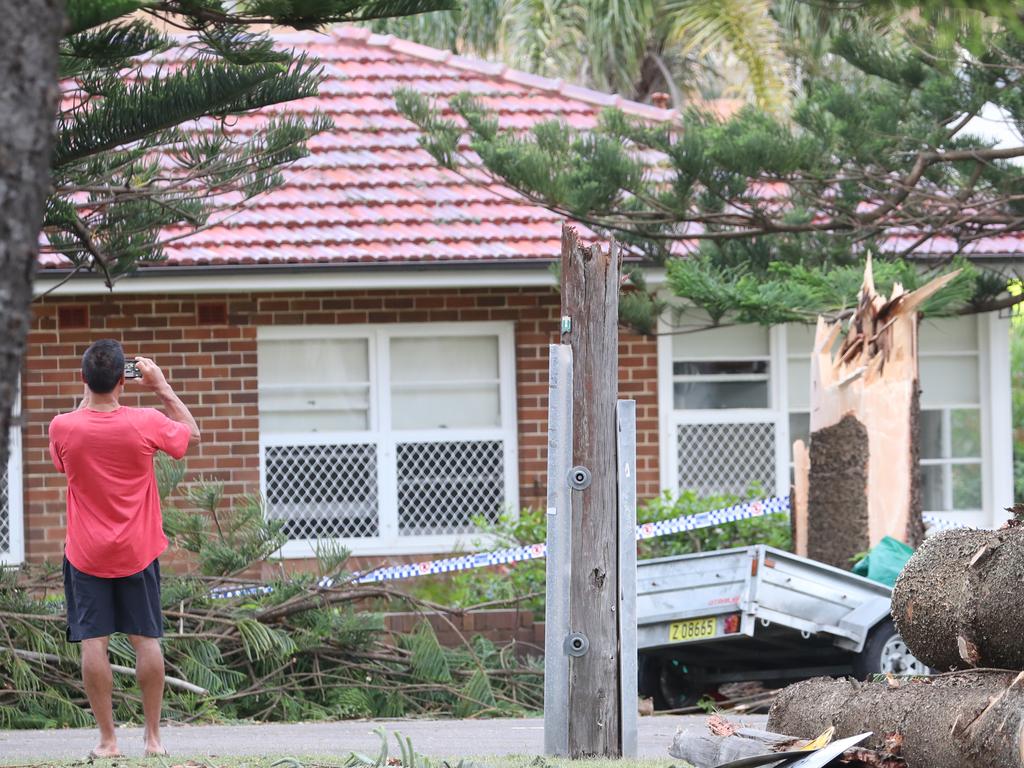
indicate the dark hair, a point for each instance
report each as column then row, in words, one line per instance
column 103, row 365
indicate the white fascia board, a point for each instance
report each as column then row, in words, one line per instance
column 260, row 281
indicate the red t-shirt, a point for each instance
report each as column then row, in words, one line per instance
column 114, row 523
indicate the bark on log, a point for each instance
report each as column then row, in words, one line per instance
column 973, row 718
column 956, row 603
column 862, row 479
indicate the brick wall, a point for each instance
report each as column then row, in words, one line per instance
column 207, row 348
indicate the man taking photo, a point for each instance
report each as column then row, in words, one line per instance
column 115, row 528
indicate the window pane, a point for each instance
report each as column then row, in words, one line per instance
column 695, row 395
column 949, row 380
column 721, row 368
column 445, row 383
column 447, row 358
column 948, row 334
column 799, row 382
column 800, row 338
column 5, row 514
column 931, row 435
column 446, row 487
column 966, row 429
column 799, row 428
column 967, row 486
column 446, row 408
column 726, row 458
column 933, row 485
column 323, row 491
column 745, row 340
column 314, row 385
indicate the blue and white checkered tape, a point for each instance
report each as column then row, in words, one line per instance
column 775, row 505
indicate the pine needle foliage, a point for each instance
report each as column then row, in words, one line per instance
column 766, row 216
column 145, row 152
column 285, row 649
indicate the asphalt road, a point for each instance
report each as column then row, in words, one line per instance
column 435, row 738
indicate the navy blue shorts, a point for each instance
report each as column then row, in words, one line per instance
column 100, row 607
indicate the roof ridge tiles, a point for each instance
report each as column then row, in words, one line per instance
column 521, row 77
column 409, row 48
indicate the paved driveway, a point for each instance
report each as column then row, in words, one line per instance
column 436, row 738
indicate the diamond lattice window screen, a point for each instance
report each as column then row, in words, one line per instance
column 726, row 458
column 443, row 486
column 5, row 514
column 323, row 491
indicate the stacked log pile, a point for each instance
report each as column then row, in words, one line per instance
column 956, row 607
column 970, row 718
column 956, row 603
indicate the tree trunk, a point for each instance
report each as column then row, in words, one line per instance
column 28, row 105
column 953, row 721
column 590, row 295
column 861, row 481
column 956, row 603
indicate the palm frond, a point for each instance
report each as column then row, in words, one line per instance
column 745, row 28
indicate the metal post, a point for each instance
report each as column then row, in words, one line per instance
column 559, row 552
column 625, row 420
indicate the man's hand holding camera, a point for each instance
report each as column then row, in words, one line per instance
column 150, row 376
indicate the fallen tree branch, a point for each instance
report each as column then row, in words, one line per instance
column 173, row 682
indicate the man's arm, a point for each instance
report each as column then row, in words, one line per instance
column 153, row 378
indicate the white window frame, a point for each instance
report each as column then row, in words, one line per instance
column 775, row 414
column 996, row 417
column 15, row 555
column 964, row 516
column 389, row 541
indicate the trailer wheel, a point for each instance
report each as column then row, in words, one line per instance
column 649, row 679
column 682, row 685
column 886, row 653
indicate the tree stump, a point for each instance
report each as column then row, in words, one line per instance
column 857, row 481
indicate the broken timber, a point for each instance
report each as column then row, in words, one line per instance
column 857, row 480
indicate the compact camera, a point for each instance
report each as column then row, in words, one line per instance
column 131, row 370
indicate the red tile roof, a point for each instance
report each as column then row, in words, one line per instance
column 368, row 193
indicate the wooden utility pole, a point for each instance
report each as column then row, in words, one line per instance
column 590, row 301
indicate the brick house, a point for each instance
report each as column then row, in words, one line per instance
column 367, row 346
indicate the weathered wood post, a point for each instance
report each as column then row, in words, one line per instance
column 590, row 295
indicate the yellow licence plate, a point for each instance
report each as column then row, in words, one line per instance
column 694, row 629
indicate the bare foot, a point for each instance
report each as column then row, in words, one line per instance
column 102, row 751
column 155, row 749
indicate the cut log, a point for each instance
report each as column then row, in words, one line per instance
column 862, row 479
column 972, row 718
column 956, row 602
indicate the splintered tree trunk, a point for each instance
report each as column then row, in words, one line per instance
column 957, row 602
column 590, row 296
column 28, row 105
column 857, row 481
column 955, row 721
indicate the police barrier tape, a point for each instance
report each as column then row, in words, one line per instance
column 775, row 505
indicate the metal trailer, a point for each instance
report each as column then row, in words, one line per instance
column 758, row 613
